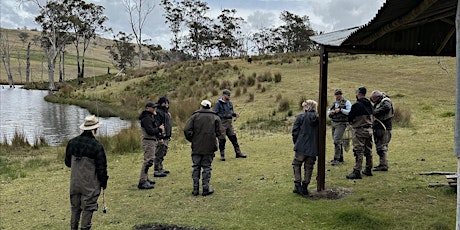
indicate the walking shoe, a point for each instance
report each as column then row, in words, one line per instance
column 145, row 185
column 367, row 172
column 159, row 174
column 335, row 162
column 151, row 181
column 208, row 191
column 354, row 175
column 240, row 155
column 380, row 168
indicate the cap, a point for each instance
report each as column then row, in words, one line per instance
column 206, row 103
column 338, row 92
column 151, row 104
column 362, row 90
column 226, row 92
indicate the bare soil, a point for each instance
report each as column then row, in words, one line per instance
column 165, row 227
column 329, row 194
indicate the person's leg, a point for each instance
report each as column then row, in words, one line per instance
column 89, row 205
column 297, row 162
column 149, row 157
column 196, row 165
column 232, row 137
column 358, row 150
column 206, row 164
column 75, row 207
column 308, row 170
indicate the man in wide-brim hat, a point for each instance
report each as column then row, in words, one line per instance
column 85, row 156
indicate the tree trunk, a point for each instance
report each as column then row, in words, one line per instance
column 51, row 65
column 28, row 63
column 61, row 65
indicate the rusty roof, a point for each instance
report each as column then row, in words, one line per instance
column 406, row 27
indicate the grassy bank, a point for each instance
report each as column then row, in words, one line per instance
column 256, row 193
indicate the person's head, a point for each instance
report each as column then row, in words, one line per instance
column 309, row 105
column 151, row 107
column 91, row 123
column 205, row 104
column 226, row 94
column 338, row 94
column 163, row 102
column 361, row 92
column 376, row 96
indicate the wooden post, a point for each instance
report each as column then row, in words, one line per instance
column 321, row 178
column 457, row 112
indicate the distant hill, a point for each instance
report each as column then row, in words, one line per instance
column 97, row 60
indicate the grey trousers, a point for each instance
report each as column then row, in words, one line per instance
column 202, row 162
column 362, row 147
column 308, row 165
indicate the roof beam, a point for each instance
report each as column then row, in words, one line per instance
column 446, row 39
column 399, row 22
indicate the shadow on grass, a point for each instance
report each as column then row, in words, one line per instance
column 165, row 227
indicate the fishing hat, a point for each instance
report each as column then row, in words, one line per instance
column 90, row 123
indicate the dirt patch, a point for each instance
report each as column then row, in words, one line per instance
column 329, row 194
column 165, row 227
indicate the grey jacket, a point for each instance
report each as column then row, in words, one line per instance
column 305, row 133
column 202, row 129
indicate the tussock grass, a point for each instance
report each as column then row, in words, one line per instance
column 256, row 193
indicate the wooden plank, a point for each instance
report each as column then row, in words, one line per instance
column 437, row 173
column 451, row 177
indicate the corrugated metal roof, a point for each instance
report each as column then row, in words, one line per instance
column 417, row 27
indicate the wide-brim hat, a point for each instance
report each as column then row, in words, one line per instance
column 90, row 123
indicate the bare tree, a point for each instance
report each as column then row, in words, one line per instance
column 138, row 14
column 5, row 53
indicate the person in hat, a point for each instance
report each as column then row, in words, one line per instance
column 383, row 116
column 338, row 112
column 151, row 134
column 163, row 117
column 85, row 156
column 202, row 129
column 224, row 109
column 360, row 119
column 305, row 135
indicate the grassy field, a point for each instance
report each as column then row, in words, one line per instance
column 256, row 193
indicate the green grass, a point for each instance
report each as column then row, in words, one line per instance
column 256, row 193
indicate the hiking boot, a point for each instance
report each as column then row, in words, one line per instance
column 380, row 168
column 367, row 172
column 354, row 175
column 222, row 155
column 335, row 162
column 297, row 188
column 240, row 155
column 195, row 191
column 151, row 181
column 165, row 171
column 208, row 191
column 159, row 174
column 145, row 185
column 305, row 189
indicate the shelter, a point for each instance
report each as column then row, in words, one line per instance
column 410, row 27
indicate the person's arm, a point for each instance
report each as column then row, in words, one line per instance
column 296, row 128
column 383, row 108
column 68, row 156
column 147, row 123
column 347, row 108
column 100, row 162
column 188, row 129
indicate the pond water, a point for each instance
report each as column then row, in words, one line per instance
column 26, row 112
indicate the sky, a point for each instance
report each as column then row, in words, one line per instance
column 324, row 15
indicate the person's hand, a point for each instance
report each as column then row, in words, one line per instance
column 161, row 141
column 337, row 110
column 162, row 127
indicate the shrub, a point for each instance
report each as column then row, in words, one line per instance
column 283, row 105
column 278, row 97
column 251, row 98
column 237, row 92
column 402, row 117
column 277, row 77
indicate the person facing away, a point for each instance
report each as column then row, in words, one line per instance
column 224, row 109
column 162, row 117
column 338, row 112
column 202, row 130
column 360, row 118
column 383, row 116
column 86, row 158
column 305, row 136
column 151, row 134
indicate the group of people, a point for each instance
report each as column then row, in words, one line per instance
column 370, row 120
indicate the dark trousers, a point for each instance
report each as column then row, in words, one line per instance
column 202, row 166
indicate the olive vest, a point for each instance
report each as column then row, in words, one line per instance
column 339, row 117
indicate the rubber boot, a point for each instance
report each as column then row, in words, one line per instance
column 354, row 175
column 222, row 155
column 367, row 172
column 297, row 188
column 304, row 188
column 207, row 191
column 196, row 187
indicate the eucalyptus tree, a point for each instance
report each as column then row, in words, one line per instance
column 228, row 32
column 175, row 18
column 5, row 54
column 54, row 23
column 138, row 13
column 295, row 34
column 85, row 21
column 122, row 51
column 24, row 37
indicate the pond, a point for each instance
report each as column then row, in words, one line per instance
column 26, row 112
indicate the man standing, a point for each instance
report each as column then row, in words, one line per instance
column 338, row 112
column 85, row 156
column 383, row 115
column 202, row 129
column 163, row 117
column 305, row 136
column 224, row 109
column 151, row 133
column 360, row 118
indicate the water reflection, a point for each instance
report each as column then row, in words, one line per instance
column 25, row 111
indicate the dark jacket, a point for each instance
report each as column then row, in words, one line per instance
column 383, row 112
column 224, row 109
column 202, row 129
column 305, row 133
column 163, row 117
column 360, row 115
column 87, row 160
column 149, row 126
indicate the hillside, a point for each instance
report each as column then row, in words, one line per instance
column 96, row 62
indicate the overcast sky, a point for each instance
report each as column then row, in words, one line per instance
column 324, row 15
